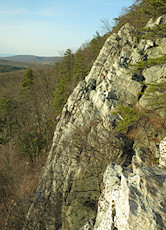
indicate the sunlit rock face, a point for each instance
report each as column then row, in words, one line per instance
column 132, row 200
column 71, row 189
column 162, row 159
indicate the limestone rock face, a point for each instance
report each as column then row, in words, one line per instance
column 85, row 142
column 132, row 200
column 158, row 21
column 162, row 159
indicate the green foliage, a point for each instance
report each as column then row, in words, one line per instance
column 158, row 31
column 139, row 13
column 34, row 113
column 133, row 15
column 7, row 120
column 95, row 45
column 154, row 8
column 28, row 79
column 31, row 142
column 150, row 62
column 9, row 68
column 80, row 67
column 73, row 68
column 156, row 94
column 65, row 73
column 129, row 117
column 6, row 106
column 60, row 97
column 27, row 118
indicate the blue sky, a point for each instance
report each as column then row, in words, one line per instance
column 49, row 27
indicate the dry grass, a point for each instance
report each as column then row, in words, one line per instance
column 19, row 180
column 132, row 133
column 157, row 122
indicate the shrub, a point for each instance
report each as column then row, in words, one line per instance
column 155, row 32
column 156, row 94
column 129, row 117
column 148, row 63
column 31, row 144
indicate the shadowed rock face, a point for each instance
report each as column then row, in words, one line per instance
column 85, row 143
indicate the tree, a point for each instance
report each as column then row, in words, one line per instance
column 154, row 8
column 156, row 94
column 106, row 26
column 80, row 66
column 31, row 138
column 68, row 62
column 65, row 74
column 7, row 119
column 28, row 80
column 133, row 15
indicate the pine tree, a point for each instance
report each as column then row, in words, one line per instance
column 28, row 79
column 65, row 75
column 155, row 8
column 31, row 132
column 7, row 119
column 80, row 67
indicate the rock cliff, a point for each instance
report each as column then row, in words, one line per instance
column 132, row 200
column 72, row 190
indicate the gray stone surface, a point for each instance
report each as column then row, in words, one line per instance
column 162, row 158
column 132, row 200
column 158, row 21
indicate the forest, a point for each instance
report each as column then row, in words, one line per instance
column 30, row 102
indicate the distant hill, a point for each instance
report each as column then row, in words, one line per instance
column 31, row 59
column 9, row 68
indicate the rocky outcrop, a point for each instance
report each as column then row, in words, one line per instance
column 85, row 142
column 132, row 199
column 162, row 158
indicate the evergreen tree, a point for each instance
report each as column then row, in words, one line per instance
column 80, row 66
column 31, row 138
column 65, row 74
column 139, row 13
column 7, row 119
column 154, row 8
column 28, row 80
